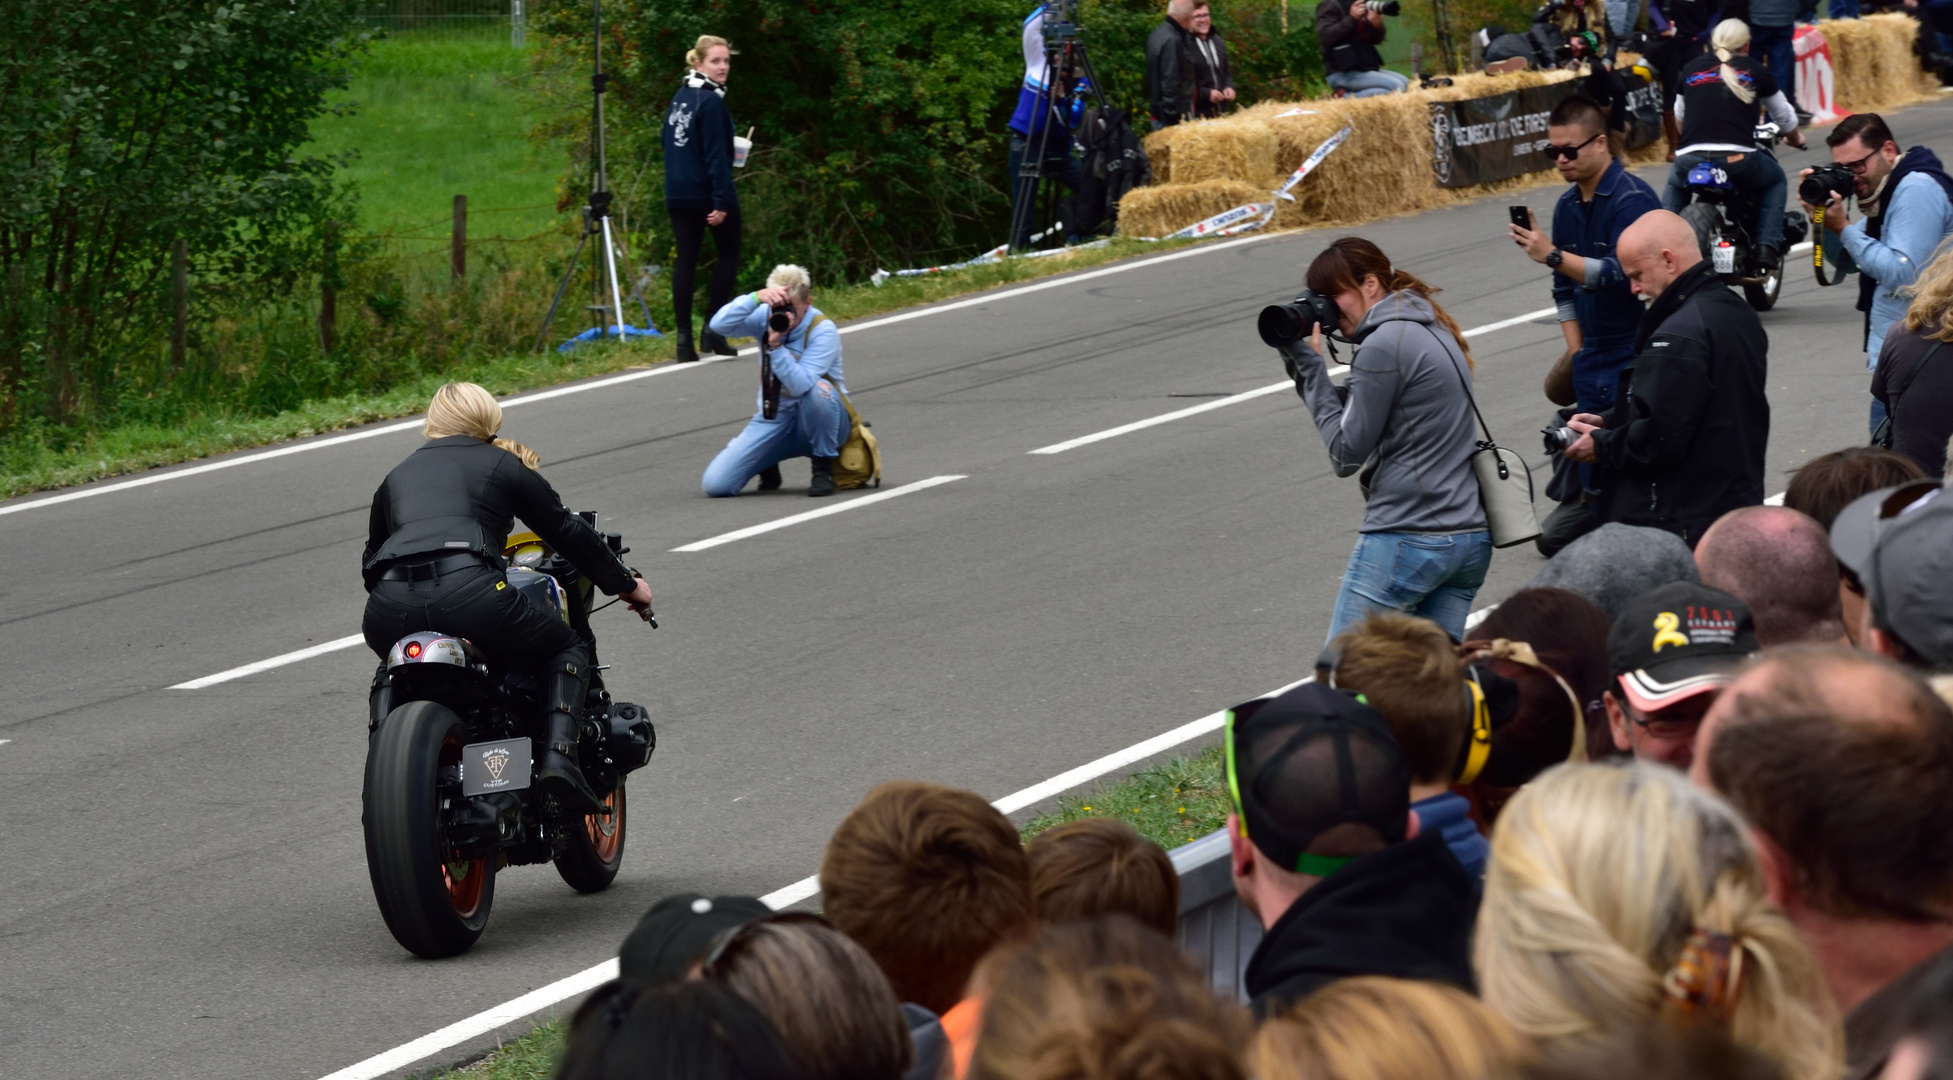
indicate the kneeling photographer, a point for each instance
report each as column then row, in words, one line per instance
column 800, row 414
column 1349, row 33
column 1404, row 418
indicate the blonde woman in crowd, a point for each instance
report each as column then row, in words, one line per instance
column 1619, row 895
column 1373, row 1028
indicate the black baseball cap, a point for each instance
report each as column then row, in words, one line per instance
column 1909, row 579
column 1308, row 760
column 1676, row 641
column 680, row 929
column 1856, row 529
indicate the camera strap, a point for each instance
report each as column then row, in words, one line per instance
column 1817, row 250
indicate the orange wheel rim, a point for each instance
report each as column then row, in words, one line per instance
column 465, row 878
column 606, row 833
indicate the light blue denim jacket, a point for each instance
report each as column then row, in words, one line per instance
column 1917, row 217
column 803, row 359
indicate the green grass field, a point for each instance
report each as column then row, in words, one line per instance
column 435, row 118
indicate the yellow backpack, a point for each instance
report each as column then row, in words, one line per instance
column 860, row 460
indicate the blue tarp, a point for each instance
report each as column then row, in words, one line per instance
column 596, row 333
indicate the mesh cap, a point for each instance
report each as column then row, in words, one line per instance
column 1307, row 761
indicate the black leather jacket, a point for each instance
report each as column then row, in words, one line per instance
column 462, row 494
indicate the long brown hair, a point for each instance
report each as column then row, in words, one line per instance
column 1343, row 265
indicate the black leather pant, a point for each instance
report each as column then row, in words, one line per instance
column 475, row 603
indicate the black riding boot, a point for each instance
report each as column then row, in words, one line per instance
column 823, row 482
column 770, row 478
column 686, row 353
column 556, row 768
column 379, row 699
column 716, row 345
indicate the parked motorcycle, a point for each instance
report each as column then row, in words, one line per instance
column 1724, row 221
column 447, row 800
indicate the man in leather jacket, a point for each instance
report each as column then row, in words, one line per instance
column 1170, row 82
column 435, row 536
column 1684, row 442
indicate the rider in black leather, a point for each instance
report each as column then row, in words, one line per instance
column 433, row 562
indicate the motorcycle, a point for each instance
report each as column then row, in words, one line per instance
column 1724, row 219
column 447, row 800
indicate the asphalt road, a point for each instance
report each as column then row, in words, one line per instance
column 184, row 891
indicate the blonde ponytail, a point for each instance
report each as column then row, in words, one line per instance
column 705, row 44
column 1731, row 35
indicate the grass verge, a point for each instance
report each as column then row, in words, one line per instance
column 27, row 466
column 1176, row 801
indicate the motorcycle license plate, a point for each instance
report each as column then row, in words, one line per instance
column 502, row 765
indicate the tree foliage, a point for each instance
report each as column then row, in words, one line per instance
column 124, row 126
column 880, row 124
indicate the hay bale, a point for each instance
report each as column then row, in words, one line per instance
column 1164, row 208
column 1222, row 149
column 1159, row 153
column 1874, row 64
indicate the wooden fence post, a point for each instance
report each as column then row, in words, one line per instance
column 328, row 315
column 179, row 301
column 459, row 258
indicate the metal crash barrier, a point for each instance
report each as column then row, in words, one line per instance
column 1214, row 927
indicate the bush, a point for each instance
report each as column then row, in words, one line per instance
column 881, row 124
column 130, row 124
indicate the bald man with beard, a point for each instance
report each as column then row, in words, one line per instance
column 1683, row 444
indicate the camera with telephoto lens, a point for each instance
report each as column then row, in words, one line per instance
column 1283, row 324
column 1392, row 8
column 1825, row 181
column 1557, row 439
column 782, row 318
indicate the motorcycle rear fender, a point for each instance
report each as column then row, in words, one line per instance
column 433, row 647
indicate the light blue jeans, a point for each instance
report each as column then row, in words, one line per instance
column 1368, row 83
column 1430, row 575
column 814, row 424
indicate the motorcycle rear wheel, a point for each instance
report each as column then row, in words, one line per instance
column 1763, row 297
column 1707, row 224
column 595, row 851
column 435, row 904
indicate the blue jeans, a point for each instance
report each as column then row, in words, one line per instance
column 1773, row 45
column 1757, row 175
column 812, row 425
column 1878, row 416
column 1368, row 83
column 1431, row 575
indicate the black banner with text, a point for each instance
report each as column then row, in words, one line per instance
column 1504, row 135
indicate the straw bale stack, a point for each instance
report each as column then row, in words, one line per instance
column 1874, row 64
column 1230, row 149
column 1165, row 208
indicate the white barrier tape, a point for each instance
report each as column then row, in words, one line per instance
column 1314, row 160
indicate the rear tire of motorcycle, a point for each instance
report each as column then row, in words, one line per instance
column 1764, row 297
column 595, row 852
column 434, row 906
column 1703, row 219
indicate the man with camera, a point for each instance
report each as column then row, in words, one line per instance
column 1599, row 314
column 1349, row 33
column 801, row 414
column 1907, row 199
column 1683, row 443
column 1170, row 63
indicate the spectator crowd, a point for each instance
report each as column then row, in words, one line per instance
column 1664, row 812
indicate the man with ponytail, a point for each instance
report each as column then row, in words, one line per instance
column 433, row 562
column 1719, row 100
column 1403, row 419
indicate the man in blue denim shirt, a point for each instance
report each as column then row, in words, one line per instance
column 1907, row 200
column 1598, row 313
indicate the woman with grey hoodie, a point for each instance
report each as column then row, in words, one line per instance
column 1404, row 419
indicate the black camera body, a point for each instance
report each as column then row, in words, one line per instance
column 782, row 318
column 1283, row 324
column 1826, row 180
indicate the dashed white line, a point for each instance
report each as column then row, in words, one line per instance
column 272, row 662
column 825, row 511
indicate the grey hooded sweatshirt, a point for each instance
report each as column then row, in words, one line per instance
column 1405, row 403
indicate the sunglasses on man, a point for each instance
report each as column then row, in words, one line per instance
column 1557, row 152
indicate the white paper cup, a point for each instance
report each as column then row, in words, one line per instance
column 741, row 146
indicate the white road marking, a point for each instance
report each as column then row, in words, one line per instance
column 273, row 662
column 4, row 742
column 615, row 380
column 831, row 508
column 1260, row 391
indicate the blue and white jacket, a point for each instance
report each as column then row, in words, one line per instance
column 698, row 147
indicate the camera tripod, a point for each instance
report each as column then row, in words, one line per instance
column 609, row 317
column 1065, row 61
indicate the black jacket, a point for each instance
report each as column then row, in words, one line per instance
column 1169, row 73
column 1215, row 76
column 462, row 494
column 1405, row 912
column 1684, row 441
column 1915, row 381
column 1348, row 44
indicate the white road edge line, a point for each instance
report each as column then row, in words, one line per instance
column 588, row 979
column 272, row 662
column 833, row 508
column 1261, row 391
column 632, row 376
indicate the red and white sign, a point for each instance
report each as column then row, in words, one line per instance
column 1816, row 79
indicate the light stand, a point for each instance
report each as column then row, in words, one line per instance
column 596, row 212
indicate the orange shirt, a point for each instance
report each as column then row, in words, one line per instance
column 962, row 1025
